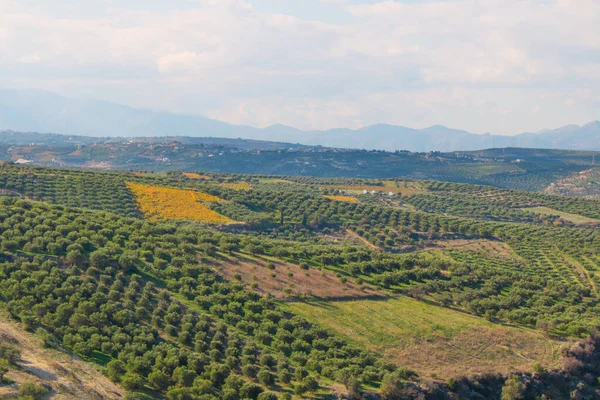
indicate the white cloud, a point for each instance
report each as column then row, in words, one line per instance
column 187, row 62
column 417, row 63
column 30, row 59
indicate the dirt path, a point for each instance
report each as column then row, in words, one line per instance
column 68, row 376
column 362, row 239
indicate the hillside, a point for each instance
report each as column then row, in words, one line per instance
column 212, row 286
column 64, row 375
column 586, row 184
column 26, row 139
column 39, row 111
column 514, row 168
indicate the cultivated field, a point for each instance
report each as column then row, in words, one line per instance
column 574, row 218
column 487, row 247
column 284, row 280
column 167, row 204
column 434, row 341
column 193, row 175
column 346, row 199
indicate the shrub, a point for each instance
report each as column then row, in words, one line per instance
column 32, row 391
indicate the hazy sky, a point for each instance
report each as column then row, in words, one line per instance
column 502, row 66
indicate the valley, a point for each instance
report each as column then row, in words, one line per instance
column 198, row 284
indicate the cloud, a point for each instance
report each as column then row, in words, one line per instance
column 186, row 62
column 467, row 63
column 30, row 59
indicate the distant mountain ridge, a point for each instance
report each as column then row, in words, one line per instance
column 40, row 111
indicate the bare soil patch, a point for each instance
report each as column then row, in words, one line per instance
column 484, row 246
column 290, row 280
column 69, row 377
column 478, row 350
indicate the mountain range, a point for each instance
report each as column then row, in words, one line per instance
column 41, row 111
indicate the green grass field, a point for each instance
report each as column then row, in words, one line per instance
column 433, row 340
column 574, row 218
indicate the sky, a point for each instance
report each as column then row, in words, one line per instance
column 500, row 66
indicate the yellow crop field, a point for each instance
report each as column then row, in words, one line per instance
column 193, row 175
column 347, row 199
column 237, row 185
column 168, row 204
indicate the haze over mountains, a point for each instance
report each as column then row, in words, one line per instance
column 41, row 111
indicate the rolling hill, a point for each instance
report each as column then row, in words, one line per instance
column 304, row 288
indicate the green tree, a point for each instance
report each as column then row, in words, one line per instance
column 265, row 377
column 250, row 391
column 115, row 370
column 128, row 259
column 4, row 364
column 392, row 386
column 132, row 381
column 267, row 396
column 159, row 380
column 513, row 389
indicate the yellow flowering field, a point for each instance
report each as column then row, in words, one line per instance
column 237, row 185
column 168, row 204
column 347, row 199
column 193, row 175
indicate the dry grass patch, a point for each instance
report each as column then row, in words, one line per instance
column 275, row 180
column 433, row 340
column 68, row 376
column 168, row 204
column 574, row 218
column 405, row 188
column 482, row 246
column 282, row 279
